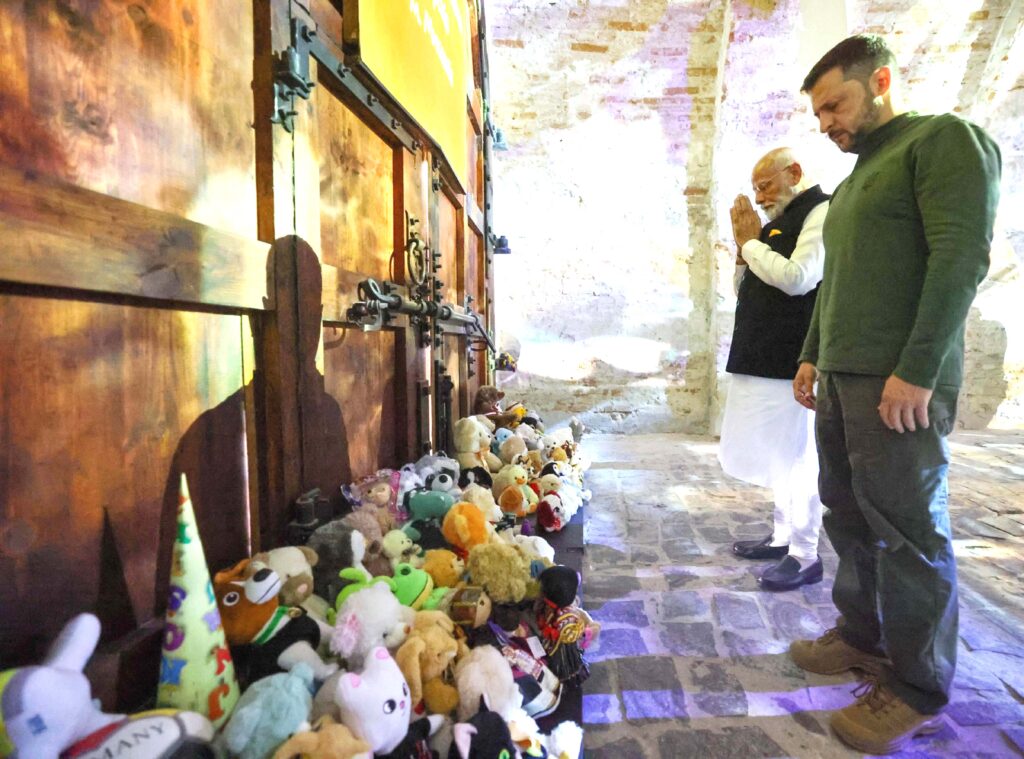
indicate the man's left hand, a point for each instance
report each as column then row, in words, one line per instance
column 904, row 406
column 746, row 224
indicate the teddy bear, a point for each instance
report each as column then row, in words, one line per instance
column 266, row 636
column 464, row 526
column 487, row 402
column 294, row 565
column 375, row 704
column 377, row 494
column 444, row 567
column 327, row 740
column 425, row 659
column 513, row 447
column 269, row 711
column 501, row 570
column 476, row 486
column 483, row 499
column 473, row 445
column 400, row 549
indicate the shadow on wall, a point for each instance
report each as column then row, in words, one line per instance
column 984, row 378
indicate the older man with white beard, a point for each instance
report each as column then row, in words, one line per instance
column 767, row 438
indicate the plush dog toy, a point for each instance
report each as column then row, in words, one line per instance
column 501, row 570
column 484, row 672
column 425, row 660
column 269, row 636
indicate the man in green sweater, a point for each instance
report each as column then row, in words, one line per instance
column 907, row 240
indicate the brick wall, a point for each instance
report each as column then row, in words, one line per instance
column 632, row 125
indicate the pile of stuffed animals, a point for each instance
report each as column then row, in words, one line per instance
column 431, row 621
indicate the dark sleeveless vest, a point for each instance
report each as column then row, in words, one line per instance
column 770, row 326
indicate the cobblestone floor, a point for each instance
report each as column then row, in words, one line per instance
column 691, row 660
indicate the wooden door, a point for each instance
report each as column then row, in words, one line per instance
column 131, row 277
column 180, row 256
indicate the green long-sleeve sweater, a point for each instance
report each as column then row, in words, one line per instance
column 907, row 241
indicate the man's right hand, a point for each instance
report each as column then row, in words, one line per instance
column 803, row 385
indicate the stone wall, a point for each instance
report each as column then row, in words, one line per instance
column 630, row 127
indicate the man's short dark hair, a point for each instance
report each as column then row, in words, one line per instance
column 858, row 57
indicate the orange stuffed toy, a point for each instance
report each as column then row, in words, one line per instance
column 465, row 526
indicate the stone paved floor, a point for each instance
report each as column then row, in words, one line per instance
column 691, row 660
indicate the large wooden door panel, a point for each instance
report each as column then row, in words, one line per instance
column 357, row 184
column 150, row 103
column 362, row 371
column 100, row 405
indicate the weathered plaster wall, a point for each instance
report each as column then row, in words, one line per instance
column 631, row 125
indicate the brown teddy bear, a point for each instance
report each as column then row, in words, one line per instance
column 294, row 565
column 501, row 570
column 426, row 659
column 487, row 402
column 327, row 740
column 444, row 566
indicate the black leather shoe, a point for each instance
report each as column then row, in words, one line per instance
column 759, row 549
column 787, row 575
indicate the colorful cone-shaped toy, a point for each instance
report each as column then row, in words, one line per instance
column 196, row 669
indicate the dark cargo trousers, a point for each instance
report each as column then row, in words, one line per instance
column 887, row 517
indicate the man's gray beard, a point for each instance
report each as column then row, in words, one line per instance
column 781, row 204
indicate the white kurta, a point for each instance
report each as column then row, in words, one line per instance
column 767, row 437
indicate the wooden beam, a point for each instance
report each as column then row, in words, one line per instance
column 474, row 215
column 55, row 234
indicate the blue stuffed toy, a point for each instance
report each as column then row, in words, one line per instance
column 269, row 712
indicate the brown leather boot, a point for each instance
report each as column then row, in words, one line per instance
column 880, row 722
column 830, row 655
